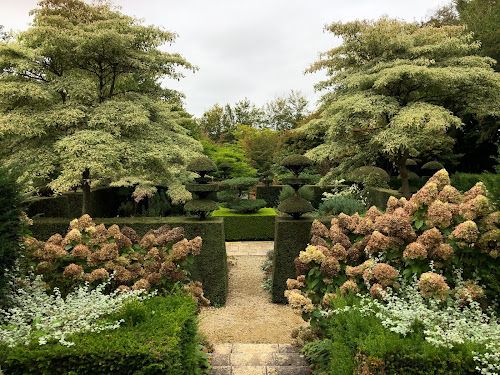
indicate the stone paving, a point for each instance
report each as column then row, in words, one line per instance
column 254, row 248
column 257, row 359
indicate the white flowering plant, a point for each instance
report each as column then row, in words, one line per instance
column 37, row 315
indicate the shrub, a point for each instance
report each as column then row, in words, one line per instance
column 11, row 225
column 163, row 340
column 304, row 192
column 338, row 204
column 465, row 181
column 92, row 253
column 248, row 206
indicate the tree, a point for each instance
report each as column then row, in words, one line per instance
column 286, row 112
column 259, row 145
column 247, row 113
column 395, row 88
column 81, row 102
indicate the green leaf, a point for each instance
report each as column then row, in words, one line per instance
column 419, row 223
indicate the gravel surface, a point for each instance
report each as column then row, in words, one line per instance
column 248, row 316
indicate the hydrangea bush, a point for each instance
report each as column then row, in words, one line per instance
column 92, row 253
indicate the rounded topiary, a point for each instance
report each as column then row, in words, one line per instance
column 411, row 176
column 296, row 163
column 224, row 167
column 248, row 206
column 410, row 162
column 202, row 188
column 295, row 207
column 202, row 165
column 201, row 207
column 433, row 165
column 361, row 173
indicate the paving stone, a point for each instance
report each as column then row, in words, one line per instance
column 255, row 348
column 287, row 348
column 252, row 359
column 289, row 359
column 220, row 370
column 222, row 348
column 249, row 370
column 288, row 370
column 220, row 359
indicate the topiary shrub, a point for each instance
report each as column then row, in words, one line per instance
column 11, row 225
column 433, row 166
column 201, row 205
column 90, row 253
column 202, row 166
column 248, row 206
column 296, row 163
column 295, row 207
column 305, row 192
column 369, row 176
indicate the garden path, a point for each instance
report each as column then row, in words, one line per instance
column 249, row 317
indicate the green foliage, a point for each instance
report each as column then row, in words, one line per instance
column 433, row 165
column 369, row 176
column 210, row 267
column 96, row 112
column 295, row 206
column 296, row 163
column 240, row 182
column 158, row 205
column 269, row 193
column 200, row 207
column 158, row 336
column 201, row 165
column 464, row 181
column 396, row 90
column 231, row 154
column 249, row 206
column 285, row 113
column 378, row 196
column 259, row 145
column 305, row 192
column 338, row 204
column 11, row 225
column 258, row 226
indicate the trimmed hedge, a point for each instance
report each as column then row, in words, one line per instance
column 378, row 197
column 269, row 193
column 210, row 267
column 164, row 341
column 247, row 227
column 291, row 237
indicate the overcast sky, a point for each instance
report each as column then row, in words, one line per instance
column 257, row 49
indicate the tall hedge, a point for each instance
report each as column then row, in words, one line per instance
column 210, row 267
column 11, row 227
column 248, row 227
column 165, row 341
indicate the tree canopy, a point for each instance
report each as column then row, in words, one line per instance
column 395, row 88
column 81, row 102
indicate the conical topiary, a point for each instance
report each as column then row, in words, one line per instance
column 295, row 206
column 200, row 205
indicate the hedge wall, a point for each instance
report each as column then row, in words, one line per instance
column 164, row 342
column 248, row 227
column 291, row 237
column 269, row 193
column 378, row 197
column 210, row 267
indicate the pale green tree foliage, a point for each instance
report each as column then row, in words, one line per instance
column 286, row 112
column 395, row 88
column 81, row 103
column 259, row 145
column 247, row 113
column 218, row 123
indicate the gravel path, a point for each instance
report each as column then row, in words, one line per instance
column 249, row 316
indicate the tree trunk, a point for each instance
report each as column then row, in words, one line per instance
column 86, row 191
column 403, row 173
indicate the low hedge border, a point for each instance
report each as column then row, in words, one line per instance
column 247, row 227
column 210, row 267
column 291, row 237
column 165, row 342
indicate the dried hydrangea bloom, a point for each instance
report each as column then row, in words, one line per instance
column 164, row 229
column 122, row 241
column 311, row 254
column 349, row 286
column 385, row 274
column 327, row 299
column 490, row 241
column 100, row 236
column 301, row 279
column 433, row 285
column 110, row 251
column 56, row 239
column 151, row 267
column 122, row 275
column 477, row 189
column 399, row 225
column 136, row 270
column 490, row 221
column 85, row 221
column 114, row 230
column 73, row 224
column 377, row 291
column 319, row 241
column 474, row 208
column 439, row 214
column 373, row 213
column 337, row 251
column 365, row 226
column 154, row 278
column 469, row 292
column 96, row 258
column 307, row 308
column 195, row 245
column 345, row 222
column 167, row 268
column 98, row 274
column 294, row 284
column 330, row 267
column 443, row 251
column 441, row 178
column 301, row 268
column 430, row 238
column 415, row 250
column 378, row 242
column 147, row 242
column 141, row 284
column 352, row 272
column 411, row 206
column 426, row 195
column 355, row 253
column 381, row 223
column 466, row 231
column 130, row 234
column 180, row 251
column 44, row 267
column 174, row 235
column 319, row 229
column 392, row 204
column 337, row 235
column 73, row 235
column 296, row 299
column 73, row 271
column 50, row 252
column 450, row 195
column 154, row 254
column 195, row 290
